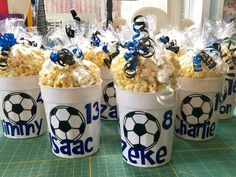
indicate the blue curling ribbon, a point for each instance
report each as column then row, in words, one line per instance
column 139, row 25
column 131, row 46
column 134, row 28
column 105, row 48
column 142, row 48
column 54, row 56
column 139, row 46
column 136, row 35
column 62, row 57
column 74, row 50
column 77, row 52
column 164, row 39
column 127, row 56
column 80, row 53
column 133, row 66
column 7, row 41
column 96, row 42
column 215, row 47
column 197, row 63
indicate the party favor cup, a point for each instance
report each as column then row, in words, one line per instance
column 197, row 111
column 226, row 100
column 22, row 111
column 73, row 116
column 108, row 104
column 146, row 127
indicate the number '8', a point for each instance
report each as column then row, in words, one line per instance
column 167, row 122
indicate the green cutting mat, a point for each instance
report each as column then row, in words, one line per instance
column 33, row 157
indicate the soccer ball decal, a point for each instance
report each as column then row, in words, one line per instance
column 196, row 109
column 67, row 123
column 141, row 130
column 19, row 108
column 109, row 94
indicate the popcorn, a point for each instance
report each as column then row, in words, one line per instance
column 23, row 60
column 96, row 55
column 102, row 54
column 187, row 69
column 147, row 78
column 100, row 45
column 207, row 51
column 181, row 52
column 82, row 73
column 146, row 66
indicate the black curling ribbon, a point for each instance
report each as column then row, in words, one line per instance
column 62, row 57
column 141, row 45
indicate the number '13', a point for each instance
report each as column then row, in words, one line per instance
column 92, row 112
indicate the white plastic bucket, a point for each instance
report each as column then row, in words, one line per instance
column 197, row 113
column 146, row 127
column 108, row 103
column 227, row 99
column 22, row 111
column 73, row 116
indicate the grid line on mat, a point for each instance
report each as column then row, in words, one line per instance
column 33, row 157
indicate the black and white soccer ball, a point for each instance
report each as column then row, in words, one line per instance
column 19, row 108
column 142, row 130
column 196, row 109
column 67, row 123
column 109, row 94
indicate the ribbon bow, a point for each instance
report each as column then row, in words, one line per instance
column 62, row 57
column 107, row 61
column 197, row 63
column 70, row 31
column 95, row 40
column 141, row 45
column 78, row 53
column 170, row 45
column 6, row 42
column 215, row 47
column 230, row 48
column 205, row 58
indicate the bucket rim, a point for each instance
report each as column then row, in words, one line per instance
column 20, row 77
column 71, row 88
column 141, row 93
column 204, row 79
